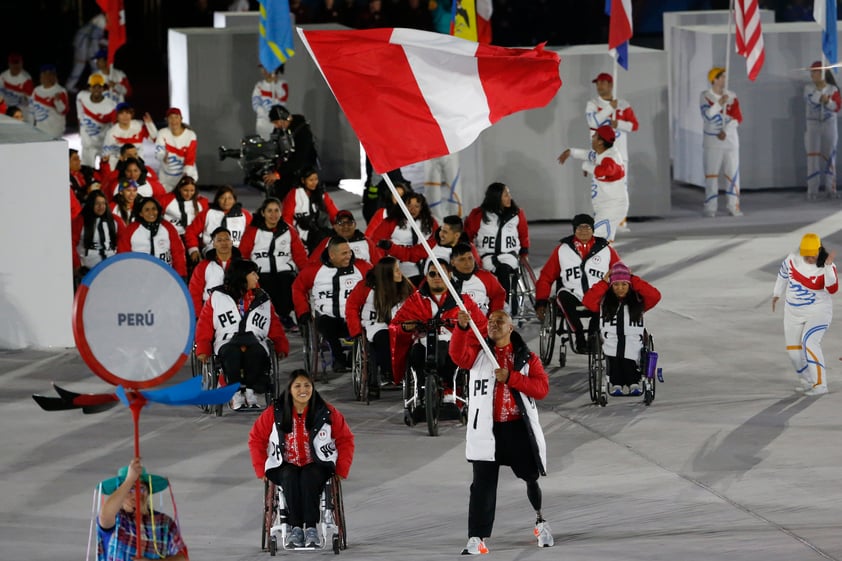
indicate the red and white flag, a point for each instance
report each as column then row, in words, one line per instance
column 414, row 95
column 115, row 17
column 749, row 36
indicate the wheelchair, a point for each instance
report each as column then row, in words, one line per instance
column 213, row 378
column 597, row 378
column 364, row 373
column 555, row 324
column 521, row 298
column 332, row 529
column 423, row 392
column 318, row 356
column 651, row 373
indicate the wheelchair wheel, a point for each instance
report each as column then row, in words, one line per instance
column 462, row 392
column 267, row 540
column 195, row 363
column 547, row 335
column 410, row 397
column 340, row 541
column 358, row 370
column 596, row 373
column 648, row 383
column 432, row 403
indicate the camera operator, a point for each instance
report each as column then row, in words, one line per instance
column 296, row 150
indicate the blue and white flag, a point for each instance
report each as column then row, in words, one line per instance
column 824, row 12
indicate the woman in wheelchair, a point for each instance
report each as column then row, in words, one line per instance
column 499, row 230
column 298, row 444
column 371, row 305
column 621, row 322
column 237, row 322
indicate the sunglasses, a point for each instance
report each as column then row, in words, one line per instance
column 433, row 274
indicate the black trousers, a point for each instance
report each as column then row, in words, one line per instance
column 513, row 449
column 248, row 366
column 302, row 490
column 622, row 371
column 279, row 288
column 569, row 302
column 332, row 329
column 505, row 275
column 383, row 353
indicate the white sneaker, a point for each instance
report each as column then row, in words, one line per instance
column 803, row 385
column 238, row 401
column 709, row 213
column 543, row 534
column 251, row 399
column 817, row 390
column 735, row 212
column 475, row 547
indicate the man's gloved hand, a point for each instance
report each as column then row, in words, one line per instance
column 384, row 244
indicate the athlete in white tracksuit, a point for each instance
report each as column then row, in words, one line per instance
column 49, row 103
column 822, row 102
column 16, row 86
column 721, row 116
column 86, row 42
column 806, row 280
column 271, row 90
column 96, row 115
column 616, row 113
column 442, row 187
column 609, row 195
column 175, row 148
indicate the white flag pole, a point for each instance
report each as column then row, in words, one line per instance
column 423, row 240
column 614, row 88
column 728, row 43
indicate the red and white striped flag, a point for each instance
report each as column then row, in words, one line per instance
column 414, row 95
column 749, row 36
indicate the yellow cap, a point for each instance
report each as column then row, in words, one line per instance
column 714, row 73
column 810, row 245
column 96, row 80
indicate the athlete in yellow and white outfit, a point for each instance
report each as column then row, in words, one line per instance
column 806, row 280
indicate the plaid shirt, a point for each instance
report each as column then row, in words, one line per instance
column 120, row 542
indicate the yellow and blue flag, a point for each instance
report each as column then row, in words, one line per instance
column 463, row 22
column 276, row 44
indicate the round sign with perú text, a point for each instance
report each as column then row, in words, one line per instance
column 133, row 320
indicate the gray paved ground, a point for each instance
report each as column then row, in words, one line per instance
column 728, row 463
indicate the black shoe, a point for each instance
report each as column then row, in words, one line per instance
column 374, row 392
column 581, row 346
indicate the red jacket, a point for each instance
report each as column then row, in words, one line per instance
column 340, row 432
column 650, row 295
column 374, row 252
column 77, row 225
column 179, row 260
column 303, row 283
column 472, row 224
column 197, row 286
column 354, row 307
column 194, row 231
column 204, row 329
column 419, row 307
column 288, row 208
column 299, row 252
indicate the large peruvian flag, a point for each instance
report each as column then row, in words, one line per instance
column 413, row 95
column 115, row 17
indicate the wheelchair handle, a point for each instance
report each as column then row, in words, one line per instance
column 651, row 366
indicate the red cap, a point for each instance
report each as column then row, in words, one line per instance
column 173, row 111
column 343, row 214
column 15, row 58
column 606, row 133
column 603, row 77
column 816, row 64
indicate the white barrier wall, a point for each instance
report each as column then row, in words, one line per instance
column 212, row 73
column 772, row 134
column 223, row 20
column 522, row 149
column 36, row 269
column 673, row 20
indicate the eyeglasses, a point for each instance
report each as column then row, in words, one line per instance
column 584, row 227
